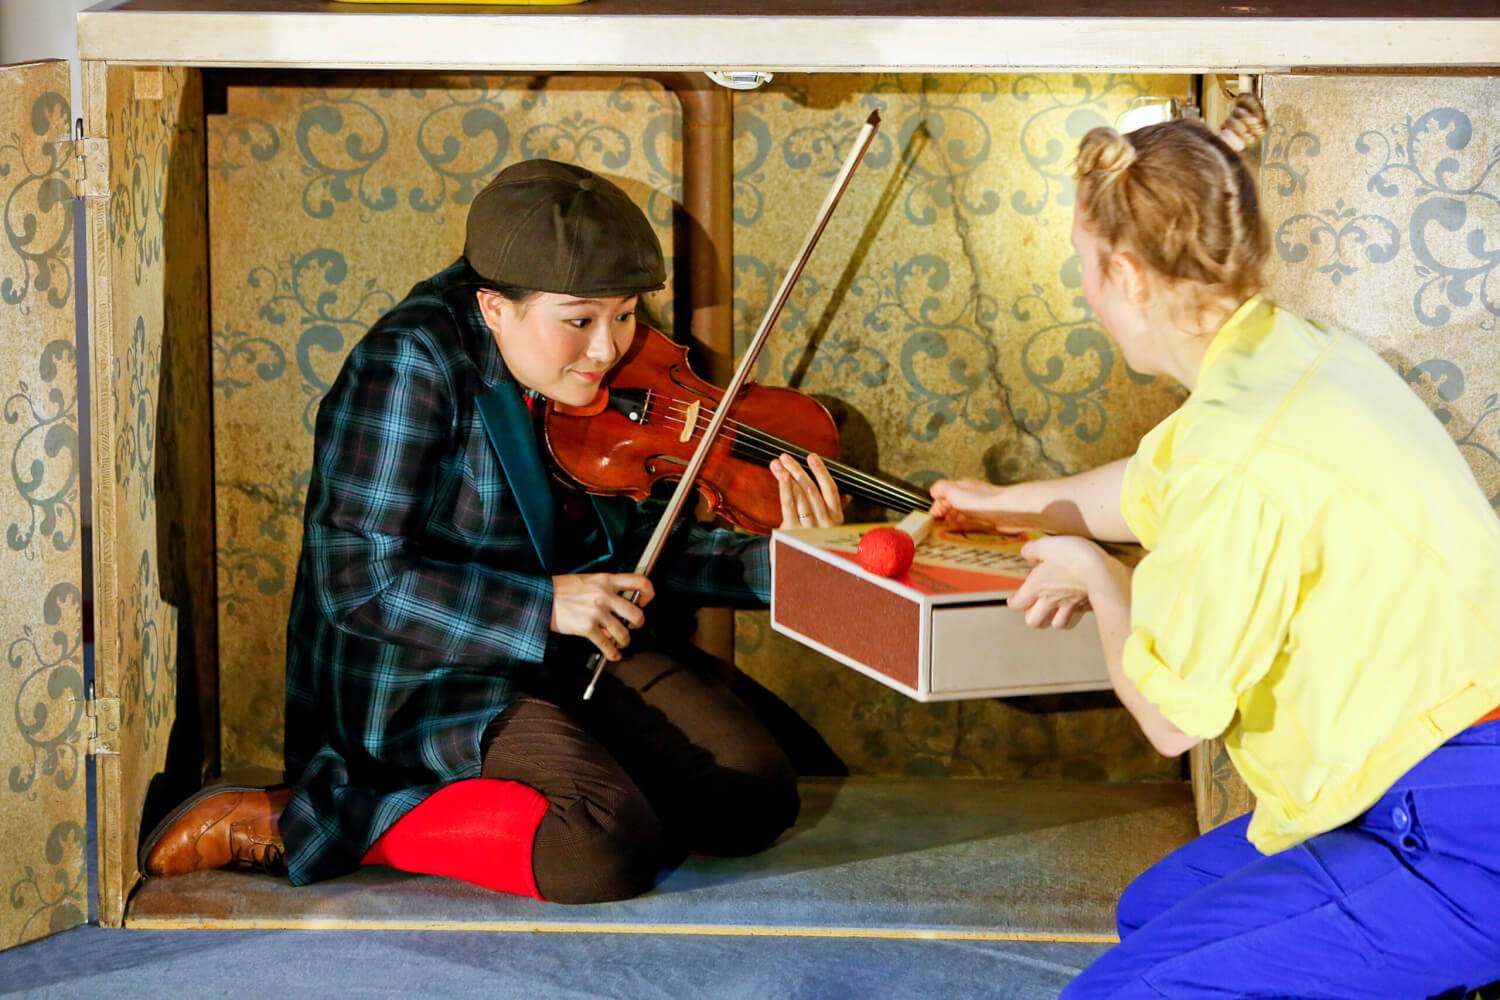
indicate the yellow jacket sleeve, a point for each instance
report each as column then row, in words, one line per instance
column 1212, row 603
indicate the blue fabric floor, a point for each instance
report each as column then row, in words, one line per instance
column 91, row 962
column 923, row 860
column 965, row 859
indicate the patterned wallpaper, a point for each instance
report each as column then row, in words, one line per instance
column 941, row 320
column 1384, row 197
column 940, row 317
column 42, row 836
column 329, row 198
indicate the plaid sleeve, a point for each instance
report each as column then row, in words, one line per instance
column 382, row 433
column 710, row 565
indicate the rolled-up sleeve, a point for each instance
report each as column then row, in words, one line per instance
column 1212, row 603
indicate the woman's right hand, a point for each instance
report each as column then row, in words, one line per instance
column 1085, row 503
column 968, row 497
column 593, row 605
column 1004, row 507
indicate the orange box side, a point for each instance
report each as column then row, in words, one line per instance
column 818, row 599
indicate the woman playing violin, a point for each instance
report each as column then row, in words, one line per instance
column 450, row 593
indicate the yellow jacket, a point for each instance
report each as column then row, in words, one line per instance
column 1322, row 583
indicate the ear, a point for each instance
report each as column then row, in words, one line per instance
column 1132, row 274
column 491, row 307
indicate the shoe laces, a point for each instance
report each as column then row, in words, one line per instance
column 262, row 856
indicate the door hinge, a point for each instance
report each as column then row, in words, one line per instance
column 103, row 724
column 91, row 166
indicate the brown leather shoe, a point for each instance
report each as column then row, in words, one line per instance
column 221, row 826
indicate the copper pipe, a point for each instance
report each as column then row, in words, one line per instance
column 708, row 232
column 708, row 214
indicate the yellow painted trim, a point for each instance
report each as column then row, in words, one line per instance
column 555, row 927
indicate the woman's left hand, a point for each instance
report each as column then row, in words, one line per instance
column 807, row 500
column 1056, row 591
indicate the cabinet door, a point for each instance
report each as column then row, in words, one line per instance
column 149, row 346
column 43, row 870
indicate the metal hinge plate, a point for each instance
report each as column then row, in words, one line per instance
column 92, row 166
column 103, row 715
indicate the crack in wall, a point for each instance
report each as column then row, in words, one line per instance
column 966, row 244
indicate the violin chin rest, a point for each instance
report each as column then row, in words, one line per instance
column 592, row 408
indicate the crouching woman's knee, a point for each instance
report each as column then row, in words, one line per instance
column 586, row 852
column 743, row 810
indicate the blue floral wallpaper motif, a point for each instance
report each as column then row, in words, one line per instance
column 954, row 392
column 135, row 463
column 941, row 317
column 52, row 897
column 42, row 796
column 1384, row 196
column 1345, row 235
column 1065, row 110
column 377, row 172
column 48, row 680
column 44, row 462
column 1475, row 426
column 1456, row 185
column 36, row 173
column 302, row 293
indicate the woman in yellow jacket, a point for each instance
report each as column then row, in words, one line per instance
column 1321, row 589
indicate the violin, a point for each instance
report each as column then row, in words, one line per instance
column 644, row 425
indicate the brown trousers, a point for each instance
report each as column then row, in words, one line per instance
column 662, row 759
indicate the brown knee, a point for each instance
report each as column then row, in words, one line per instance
column 588, row 852
column 740, row 812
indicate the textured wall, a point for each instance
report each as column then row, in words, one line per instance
column 328, row 199
column 41, row 560
column 154, row 583
column 940, row 318
column 1384, row 197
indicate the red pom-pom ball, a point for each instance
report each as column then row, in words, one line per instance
column 886, row 551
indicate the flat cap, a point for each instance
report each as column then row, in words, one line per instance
column 554, row 227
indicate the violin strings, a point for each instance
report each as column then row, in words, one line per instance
column 766, row 446
column 757, row 443
column 762, row 444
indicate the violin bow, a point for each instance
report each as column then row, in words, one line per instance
column 684, row 489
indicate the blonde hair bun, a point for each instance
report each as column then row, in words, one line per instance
column 1245, row 123
column 1178, row 197
column 1105, row 152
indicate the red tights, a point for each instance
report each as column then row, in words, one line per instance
column 480, row 830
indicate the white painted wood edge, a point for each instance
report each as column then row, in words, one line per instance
column 547, row 40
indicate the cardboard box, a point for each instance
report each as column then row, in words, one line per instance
column 940, row 632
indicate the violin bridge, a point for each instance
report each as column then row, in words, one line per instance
column 690, row 420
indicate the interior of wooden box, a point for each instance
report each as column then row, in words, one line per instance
column 262, row 220
column 258, row 222
column 329, row 196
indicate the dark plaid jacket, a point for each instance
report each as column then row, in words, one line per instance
column 424, row 589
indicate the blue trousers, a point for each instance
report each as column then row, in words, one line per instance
column 1403, row 902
